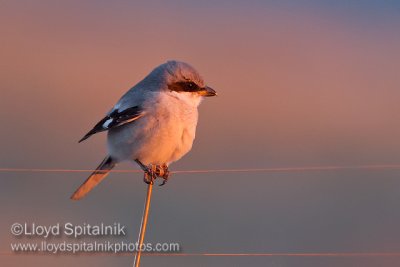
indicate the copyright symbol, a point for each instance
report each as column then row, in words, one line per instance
column 17, row 229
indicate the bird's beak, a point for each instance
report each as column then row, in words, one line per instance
column 207, row 91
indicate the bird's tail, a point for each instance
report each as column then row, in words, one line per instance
column 95, row 178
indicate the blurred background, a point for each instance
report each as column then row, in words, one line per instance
column 300, row 83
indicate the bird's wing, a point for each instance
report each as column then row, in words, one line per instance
column 114, row 119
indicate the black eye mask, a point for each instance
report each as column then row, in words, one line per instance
column 184, row 87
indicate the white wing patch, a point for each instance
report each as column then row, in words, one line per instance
column 107, row 123
column 114, row 119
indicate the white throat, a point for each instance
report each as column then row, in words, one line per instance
column 188, row 98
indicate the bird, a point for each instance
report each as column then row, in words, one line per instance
column 153, row 124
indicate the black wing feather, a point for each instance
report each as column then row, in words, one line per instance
column 115, row 119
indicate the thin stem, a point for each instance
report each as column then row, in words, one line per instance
column 143, row 224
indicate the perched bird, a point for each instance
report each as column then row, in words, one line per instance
column 153, row 124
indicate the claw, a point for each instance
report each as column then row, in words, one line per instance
column 147, row 179
column 164, row 173
column 152, row 171
column 150, row 174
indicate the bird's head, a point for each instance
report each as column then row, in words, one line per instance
column 182, row 79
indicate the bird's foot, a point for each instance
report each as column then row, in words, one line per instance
column 164, row 173
column 152, row 171
column 150, row 174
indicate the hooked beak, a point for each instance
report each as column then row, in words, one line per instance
column 207, row 91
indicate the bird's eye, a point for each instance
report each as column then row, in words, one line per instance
column 191, row 85
column 184, row 87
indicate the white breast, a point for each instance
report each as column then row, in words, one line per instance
column 163, row 135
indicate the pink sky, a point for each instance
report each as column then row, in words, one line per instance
column 298, row 86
